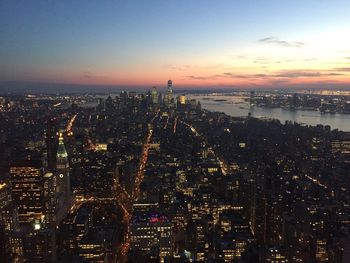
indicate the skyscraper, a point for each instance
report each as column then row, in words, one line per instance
column 154, row 95
column 168, row 98
column 50, row 195
column 8, row 218
column 170, row 85
column 63, row 180
column 51, row 143
column 27, row 185
column 182, row 99
column 149, row 230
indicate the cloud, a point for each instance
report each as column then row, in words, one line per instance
column 266, row 61
column 308, row 59
column 282, row 43
column 282, row 74
column 201, row 78
column 262, row 60
column 346, row 69
column 297, row 74
column 87, row 75
column 175, row 67
column 302, row 74
column 261, row 75
column 248, row 76
column 274, row 76
column 335, row 74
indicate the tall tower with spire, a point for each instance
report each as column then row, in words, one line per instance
column 168, row 98
column 63, row 180
column 170, row 86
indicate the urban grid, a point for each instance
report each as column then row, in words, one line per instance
column 146, row 177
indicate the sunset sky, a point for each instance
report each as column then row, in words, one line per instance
column 196, row 43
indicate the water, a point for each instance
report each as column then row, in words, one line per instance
column 237, row 106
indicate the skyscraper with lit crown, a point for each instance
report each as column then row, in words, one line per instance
column 168, row 98
column 63, row 180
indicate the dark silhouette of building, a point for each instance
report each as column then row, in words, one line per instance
column 51, row 143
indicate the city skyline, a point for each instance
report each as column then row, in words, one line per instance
column 255, row 44
column 163, row 177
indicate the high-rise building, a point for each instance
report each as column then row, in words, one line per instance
column 8, row 211
column 168, row 98
column 38, row 244
column 8, row 218
column 63, row 180
column 272, row 254
column 27, row 189
column 33, row 240
column 182, row 99
column 170, row 85
column 4, row 194
column 50, row 196
column 124, row 96
column 51, row 143
column 150, row 230
column 154, row 95
column 2, row 103
column 101, row 104
column 109, row 105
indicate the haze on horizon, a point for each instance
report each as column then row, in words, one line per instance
column 196, row 43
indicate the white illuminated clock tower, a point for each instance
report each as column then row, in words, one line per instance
column 63, row 179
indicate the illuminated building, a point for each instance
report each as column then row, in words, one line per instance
column 27, row 189
column 2, row 101
column 85, row 234
column 63, row 180
column 101, row 147
column 181, row 102
column 38, row 244
column 149, row 231
column 32, row 241
column 321, row 250
column 226, row 251
column 50, row 196
column 8, row 211
column 232, row 222
column 91, row 251
column 235, row 235
column 154, row 95
column 273, row 255
column 4, row 194
column 182, row 99
column 168, row 98
column 8, row 219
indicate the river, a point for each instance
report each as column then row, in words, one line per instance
column 237, row 106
